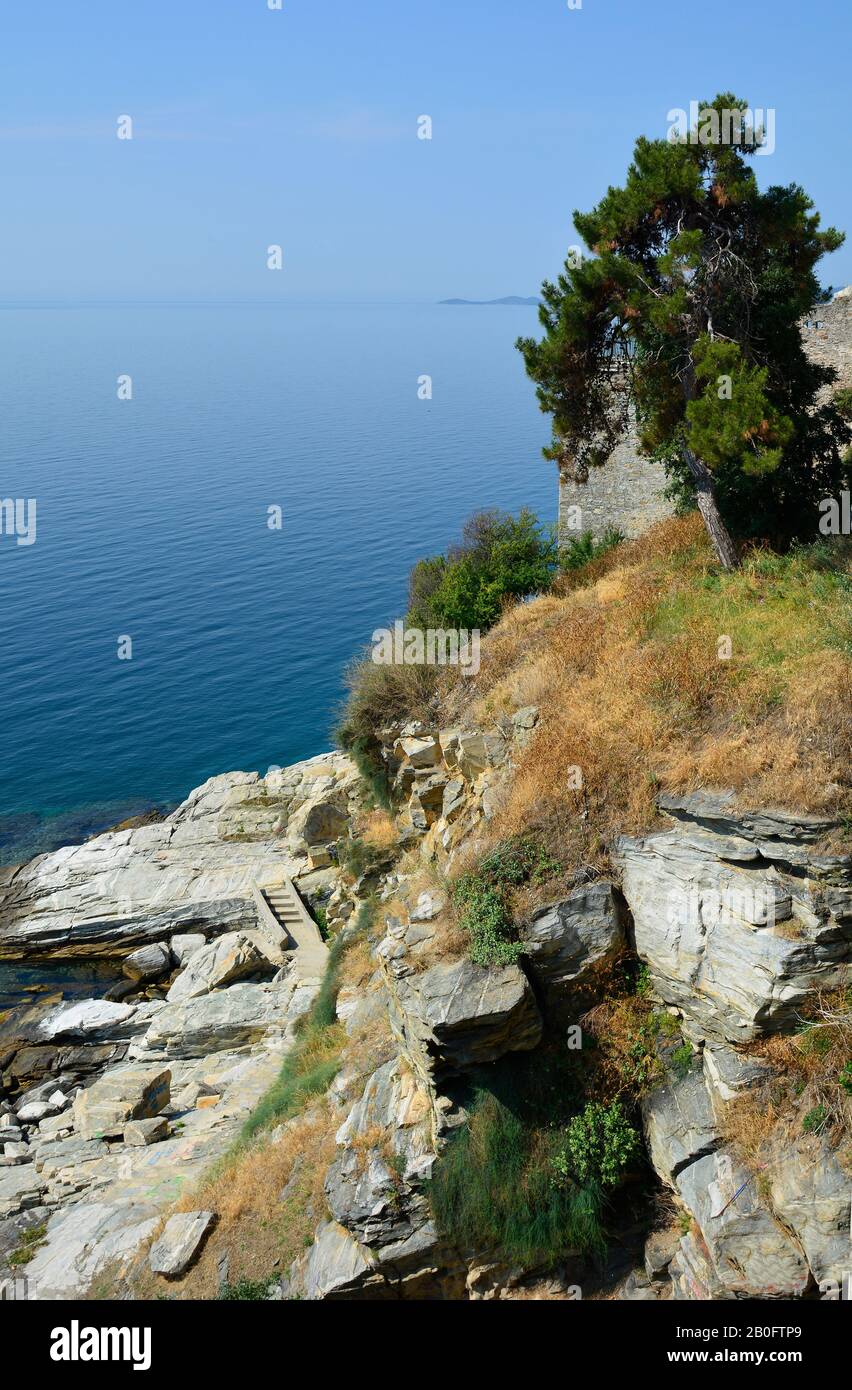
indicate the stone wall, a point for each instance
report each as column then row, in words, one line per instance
column 627, row 492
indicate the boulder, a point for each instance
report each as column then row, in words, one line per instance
column 82, row 1239
column 478, row 751
column 91, row 1018
column 374, row 1187
column 180, row 1242
column 810, row 1194
column 125, row 1093
column 317, row 823
column 141, row 1133
column 680, row 1123
column 229, row 958
column 567, row 940
column 148, row 963
column 185, row 944
column 461, row 1015
column 707, row 906
column 746, row 1253
column 336, row 1266
column 226, row 1018
column 421, row 752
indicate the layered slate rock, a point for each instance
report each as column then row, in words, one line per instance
column 461, row 1015
column 373, row 1187
column 192, row 872
column 180, row 1242
column 148, row 963
column 739, row 918
column 680, row 1123
column 567, row 940
column 125, row 1093
column 229, row 958
column 228, row 1018
column 810, row 1193
column 746, row 1252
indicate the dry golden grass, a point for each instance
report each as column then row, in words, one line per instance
column 377, row 829
column 805, row 1071
column 627, row 675
column 269, row 1199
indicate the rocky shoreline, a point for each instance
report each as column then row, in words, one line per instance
column 111, row 1109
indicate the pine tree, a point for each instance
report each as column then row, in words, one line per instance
column 686, row 317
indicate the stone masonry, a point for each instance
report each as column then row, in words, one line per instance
column 627, row 491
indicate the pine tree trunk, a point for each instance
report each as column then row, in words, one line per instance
column 726, row 551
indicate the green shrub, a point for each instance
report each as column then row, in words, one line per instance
column 499, row 557
column 247, row 1290
column 681, row 1060
column 493, row 1186
column 585, row 548
column 845, row 1077
column 482, row 898
column 599, row 1144
column 815, row 1120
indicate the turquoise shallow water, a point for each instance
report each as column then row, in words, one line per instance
column 152, row 523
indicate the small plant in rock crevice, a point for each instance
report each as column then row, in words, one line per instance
column 483, row 897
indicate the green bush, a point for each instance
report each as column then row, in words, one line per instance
column 585, row 548
column 247, row 1290
column 598, row 1146
column 493, row 1186
column 483, row 899
column 499, row 557
column 845, row 1077
column 815, row 1120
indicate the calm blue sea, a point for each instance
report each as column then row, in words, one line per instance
column 152, row 523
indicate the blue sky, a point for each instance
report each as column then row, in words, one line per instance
column 299, row 127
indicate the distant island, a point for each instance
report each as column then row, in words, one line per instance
column 509, row 299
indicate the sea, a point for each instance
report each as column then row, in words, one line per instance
column 228, row 499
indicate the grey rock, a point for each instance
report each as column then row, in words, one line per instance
column 479, row 751
column 125, row 1093
column 750, row 1254
column 185, row 944
column 697, row 926
column 84, row 1238
column 20, row 1188
column 336, row 1266
column 147, row 963
column 90, row 1018
column 140, row 1133
column 229, row 958
column 565, row 941
column 227, row 1018
column 180, row 1242
column 680, row 1125
column 195, row 870
column 463, row 1014
column 421, row 752
column 811, row 1194
column 379, row 1204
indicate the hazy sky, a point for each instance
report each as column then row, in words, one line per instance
column 299, row 127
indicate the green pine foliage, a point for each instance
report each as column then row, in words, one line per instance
column 688, row 310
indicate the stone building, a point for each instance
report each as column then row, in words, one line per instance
column 627, row 491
